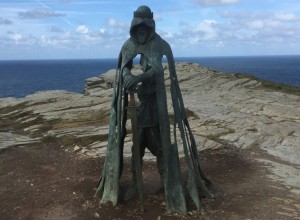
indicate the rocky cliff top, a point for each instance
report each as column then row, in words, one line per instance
column 225, row 111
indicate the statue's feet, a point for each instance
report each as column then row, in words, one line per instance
column 130, row 192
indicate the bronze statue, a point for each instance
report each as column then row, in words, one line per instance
column 154, row 125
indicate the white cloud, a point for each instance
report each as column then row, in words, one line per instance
column 18, row 39
column 236, row 32
column 15, row 37
column 113, row 23
column 93, row 38
column 216, row 2
column 62, row 40
column 65, row 37
column 256, row 24
column 260, row 27
column 39, row 13
column 82, row 29
column 157, row 17
column 286, row 17
column 205, row 30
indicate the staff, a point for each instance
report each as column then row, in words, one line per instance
column 133, row 108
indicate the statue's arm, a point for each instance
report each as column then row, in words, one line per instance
column 148, row 76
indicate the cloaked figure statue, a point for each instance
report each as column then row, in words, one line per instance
column 154, row 124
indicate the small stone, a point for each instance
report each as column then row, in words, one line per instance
column 76, row 148
column 96, row 215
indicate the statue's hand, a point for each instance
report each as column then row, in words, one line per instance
column 130, row 81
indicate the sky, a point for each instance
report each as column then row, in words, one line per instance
column 78, row 29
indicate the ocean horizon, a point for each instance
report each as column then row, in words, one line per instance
column 19, row 78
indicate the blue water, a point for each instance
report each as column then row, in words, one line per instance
column 21, row 78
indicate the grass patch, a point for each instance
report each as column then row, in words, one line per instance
column 271, row 86
column 84, row 141
column 252, row 129
column 190, row 113
column 12, row 108
column 216, row 137
column 71, row 140
column 244, row 75
column 49, row 139
column 12, row 122
column 68, row 140
column 265, row 84
column 280, row 87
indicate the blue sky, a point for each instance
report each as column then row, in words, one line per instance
column 64, row 29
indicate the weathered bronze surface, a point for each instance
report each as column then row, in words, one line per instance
column 133, row 108
column 154, row 119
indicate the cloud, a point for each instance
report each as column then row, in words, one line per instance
column 65, row 1
column 237, row 32
column 203, row 31
column 113, row 23
column 15, row 37
column 260, row 28
column 82, row 29
column 207, row 29
column 56, row 29
column 39, row 13
column 286, row 17
column 256, row 24
column 157, row 17
column 5, row 21
column 216, row 2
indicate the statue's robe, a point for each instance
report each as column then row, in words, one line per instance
column 108, row 188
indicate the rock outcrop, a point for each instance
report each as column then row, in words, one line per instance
column 225, row 110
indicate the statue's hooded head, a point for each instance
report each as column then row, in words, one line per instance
column 142, row 26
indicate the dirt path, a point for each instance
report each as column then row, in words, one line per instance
column 48, row 182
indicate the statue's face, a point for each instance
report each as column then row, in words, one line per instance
column 142, row 33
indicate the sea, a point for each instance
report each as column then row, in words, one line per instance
column 19, row 78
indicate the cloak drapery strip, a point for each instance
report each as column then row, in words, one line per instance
column 108, row 187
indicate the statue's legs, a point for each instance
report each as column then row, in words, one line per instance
column 154, row 145
column 149, row 137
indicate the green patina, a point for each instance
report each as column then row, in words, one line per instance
column 144, row 41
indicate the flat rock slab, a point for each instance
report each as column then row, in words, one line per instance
column 8, row 139
column 224, row 110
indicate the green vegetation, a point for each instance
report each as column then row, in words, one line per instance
column 12, row 108
column 216, row 137
column 48, row 139
column 252, row 129
column 268, row 85
column 190, row 113
column 71, row 140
